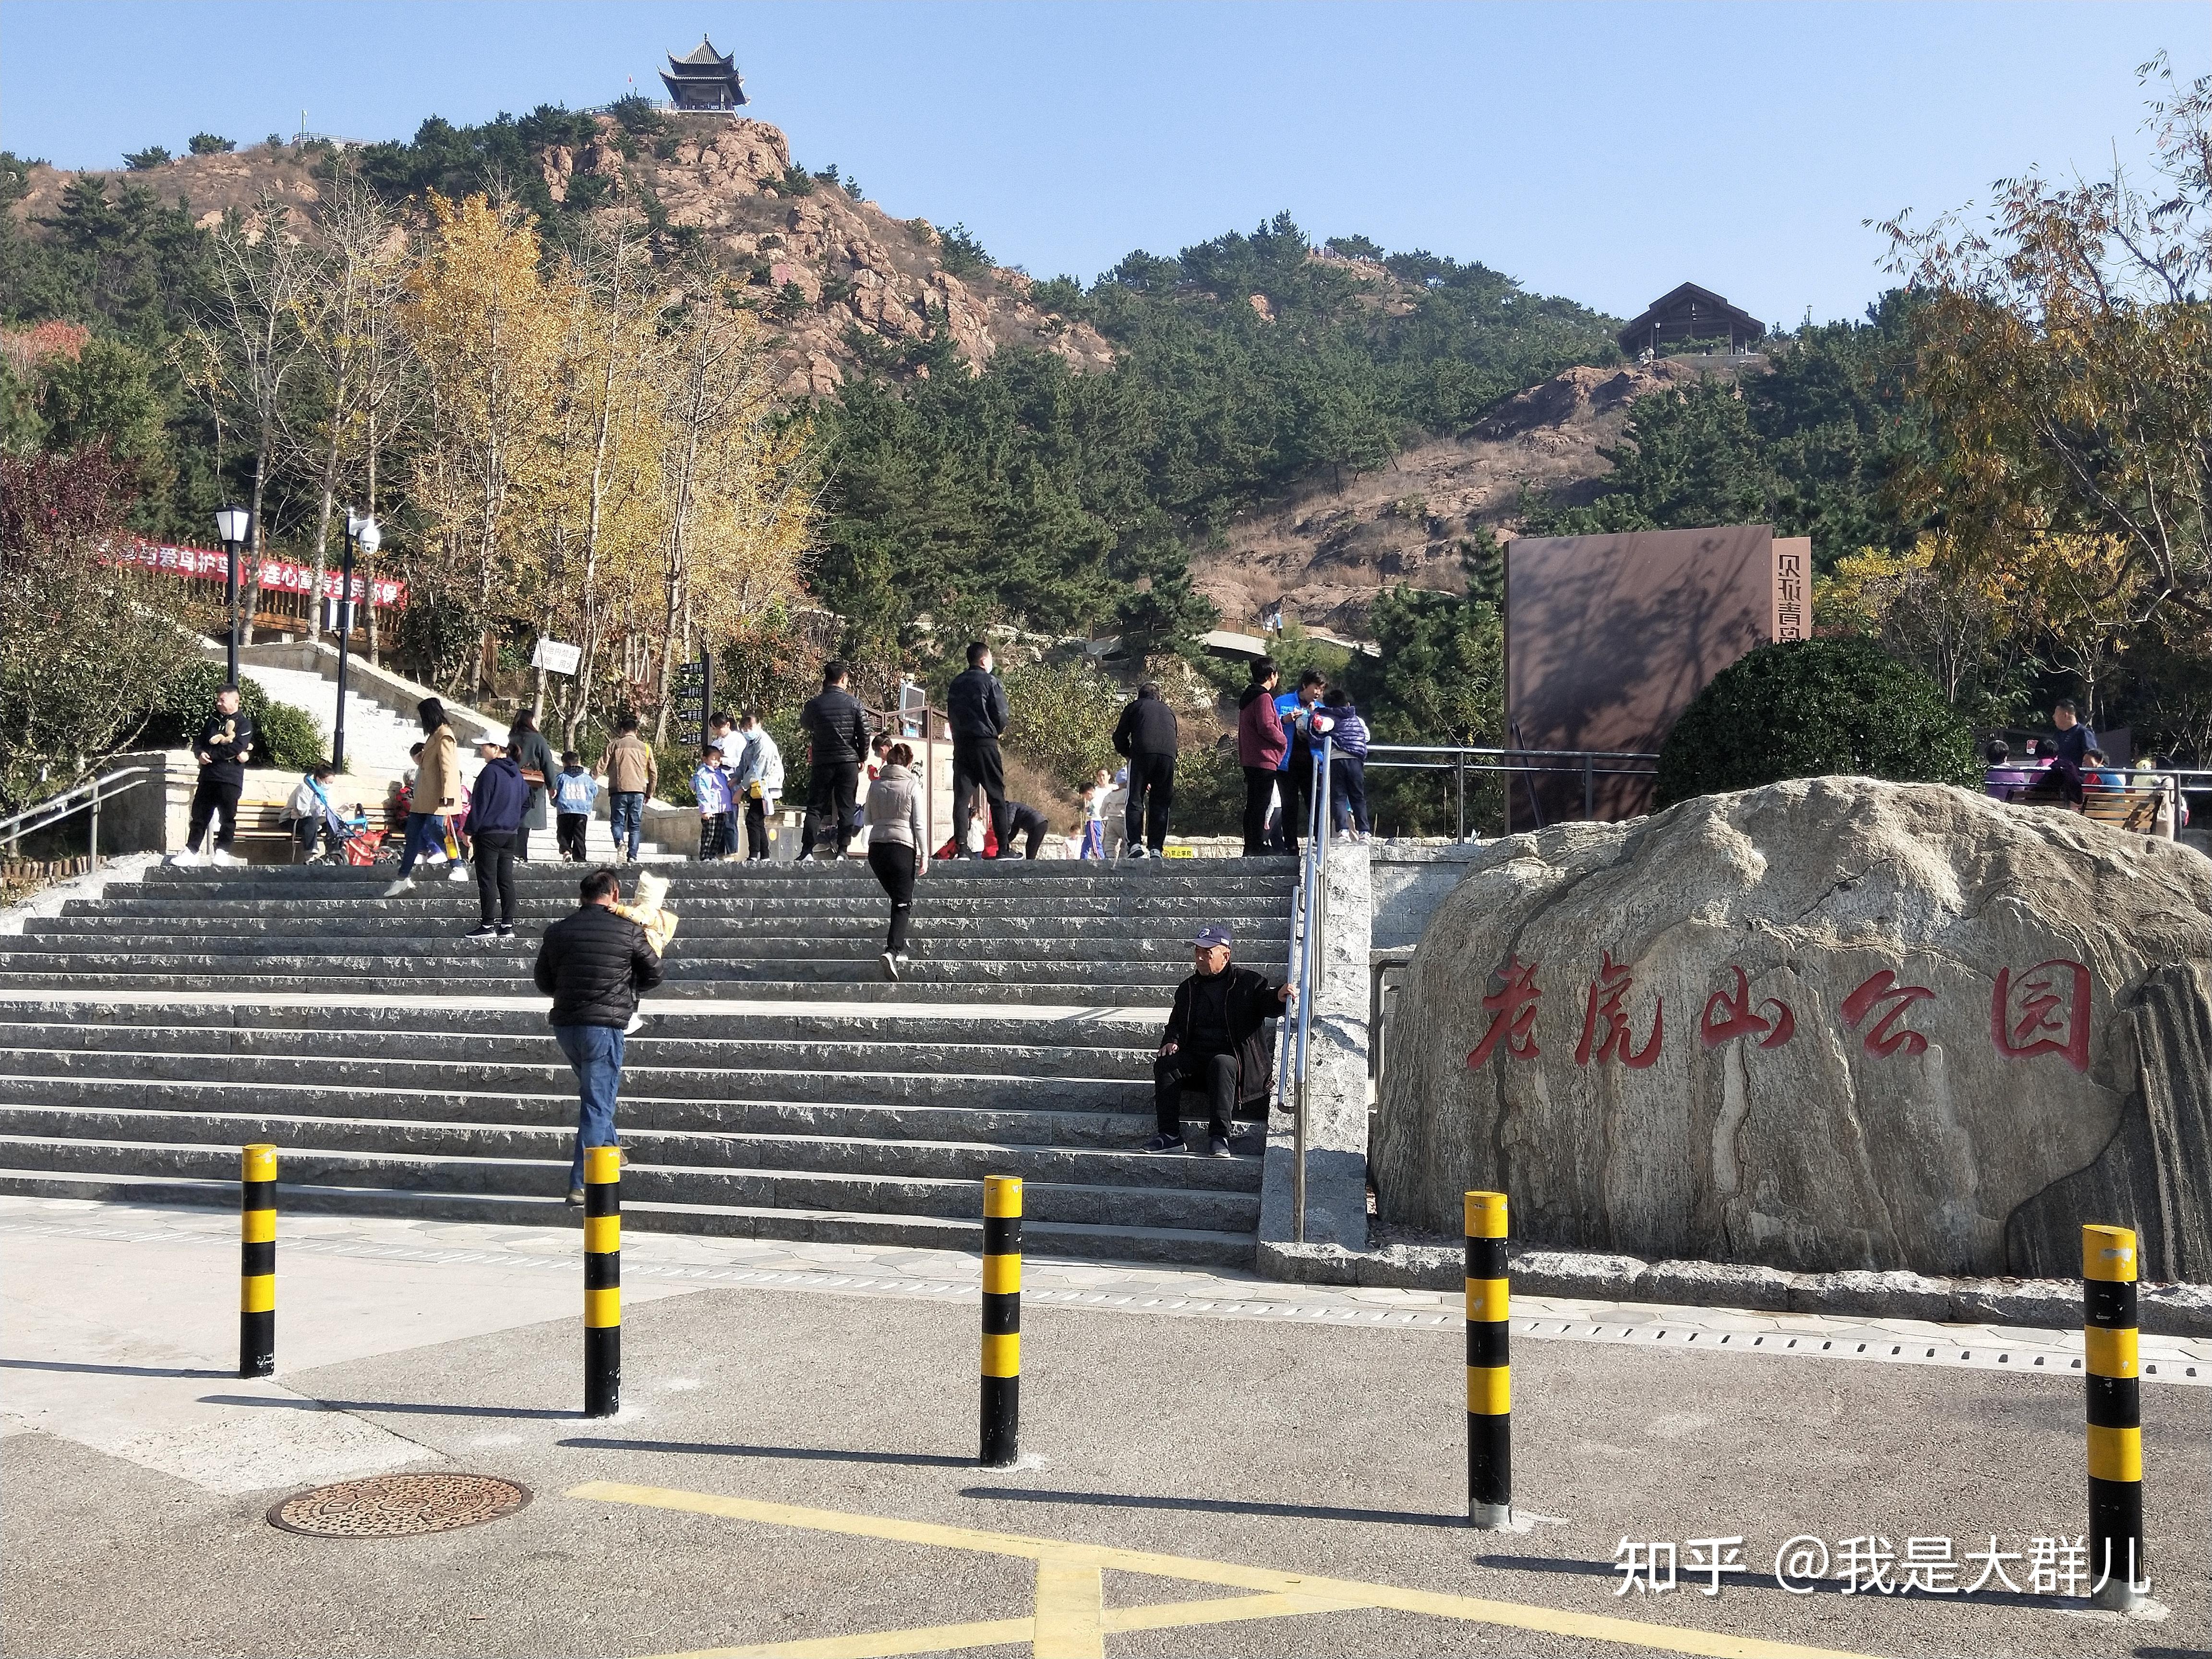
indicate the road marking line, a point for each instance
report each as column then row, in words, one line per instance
column 1343, row 1593
column 1071, row 1605
column 1220, row 1610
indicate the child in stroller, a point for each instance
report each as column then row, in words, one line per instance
column 321, row 830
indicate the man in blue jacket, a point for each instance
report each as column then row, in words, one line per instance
column 1295, row 710
column 496, row 808
column 975, row 707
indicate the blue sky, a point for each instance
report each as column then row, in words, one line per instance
column 1605, row 152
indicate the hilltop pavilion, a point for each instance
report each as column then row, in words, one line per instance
column 703, row 79
column 1687, row 313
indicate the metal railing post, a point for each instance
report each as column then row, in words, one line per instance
column 1590, row 790
column 1459, row 795
column 92, row 841
column 345, row 642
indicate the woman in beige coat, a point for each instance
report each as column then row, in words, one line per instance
column 438, row 795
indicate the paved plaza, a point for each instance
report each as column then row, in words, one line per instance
column 1213, row 1463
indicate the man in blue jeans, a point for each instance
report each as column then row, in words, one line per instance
column 592, row 964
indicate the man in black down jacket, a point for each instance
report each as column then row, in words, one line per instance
column 1147, row 736
column 976, row 707
column 226, row 744
column 592, row 964
column 837, row 734
column 1216, row 1042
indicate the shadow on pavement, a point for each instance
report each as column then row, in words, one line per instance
column 803, row 1453
column 108, row 1370
column 1749, row 1579
column 392, row 1407
column 1219, row 1506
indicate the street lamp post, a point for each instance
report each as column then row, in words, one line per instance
column 232, row 524
column 362, row 535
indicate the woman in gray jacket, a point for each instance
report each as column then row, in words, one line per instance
column 898, row 845
column 533, row 757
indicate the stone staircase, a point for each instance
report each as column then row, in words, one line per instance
column 781, row 1088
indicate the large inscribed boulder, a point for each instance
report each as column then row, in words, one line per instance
column 1830, row 1024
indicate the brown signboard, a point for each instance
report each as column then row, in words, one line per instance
column 1607, row 638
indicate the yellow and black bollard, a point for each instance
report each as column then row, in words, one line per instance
column 602, row 1280
column 1002, row 1321
column 2109, row 1344
column 1489, row 1374
column 256, row 1266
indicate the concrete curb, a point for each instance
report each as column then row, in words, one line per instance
column 2047, row 1303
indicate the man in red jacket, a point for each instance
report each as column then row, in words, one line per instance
column 1259, row 746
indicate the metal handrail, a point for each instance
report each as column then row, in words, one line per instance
column 1480, row 757
column 69, row 802
column 1479, row 749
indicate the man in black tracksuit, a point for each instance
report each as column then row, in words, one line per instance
column 225, row 744
column 594, row 964
column 977, row 709
column 1024, row 823
column 1216, row 1042
column 837, row 734
column 1146, row 737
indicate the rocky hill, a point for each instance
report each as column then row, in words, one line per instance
column 829, row 265
column 1327, row 547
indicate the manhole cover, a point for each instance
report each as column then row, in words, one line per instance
column 399, row 1506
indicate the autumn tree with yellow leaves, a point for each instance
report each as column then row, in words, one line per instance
column 2064, row 357
column 599, row 457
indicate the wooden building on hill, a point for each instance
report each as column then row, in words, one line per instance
column 1690, row 313
column 703, row 79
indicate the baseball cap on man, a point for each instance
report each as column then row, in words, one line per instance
column 1212, row 936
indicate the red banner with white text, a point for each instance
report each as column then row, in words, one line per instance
column 277, row 576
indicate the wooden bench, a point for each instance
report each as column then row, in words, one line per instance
column 2135, row 811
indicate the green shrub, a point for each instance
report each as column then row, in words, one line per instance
column 1063, row 719
column 1810, row 708
column 1209, row 792
column 287, row 737
column 962, row 254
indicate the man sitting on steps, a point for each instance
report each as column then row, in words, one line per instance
column 1216, row 1041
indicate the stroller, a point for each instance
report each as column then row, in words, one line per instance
column 314, row 818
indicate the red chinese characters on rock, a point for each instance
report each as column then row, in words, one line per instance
column 2042, row 1011
column 1730, row 1015
column 1512, row 1010
column 1885, row 1038
column 1608, row 996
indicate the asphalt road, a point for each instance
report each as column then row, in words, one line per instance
column 1289, row 1466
